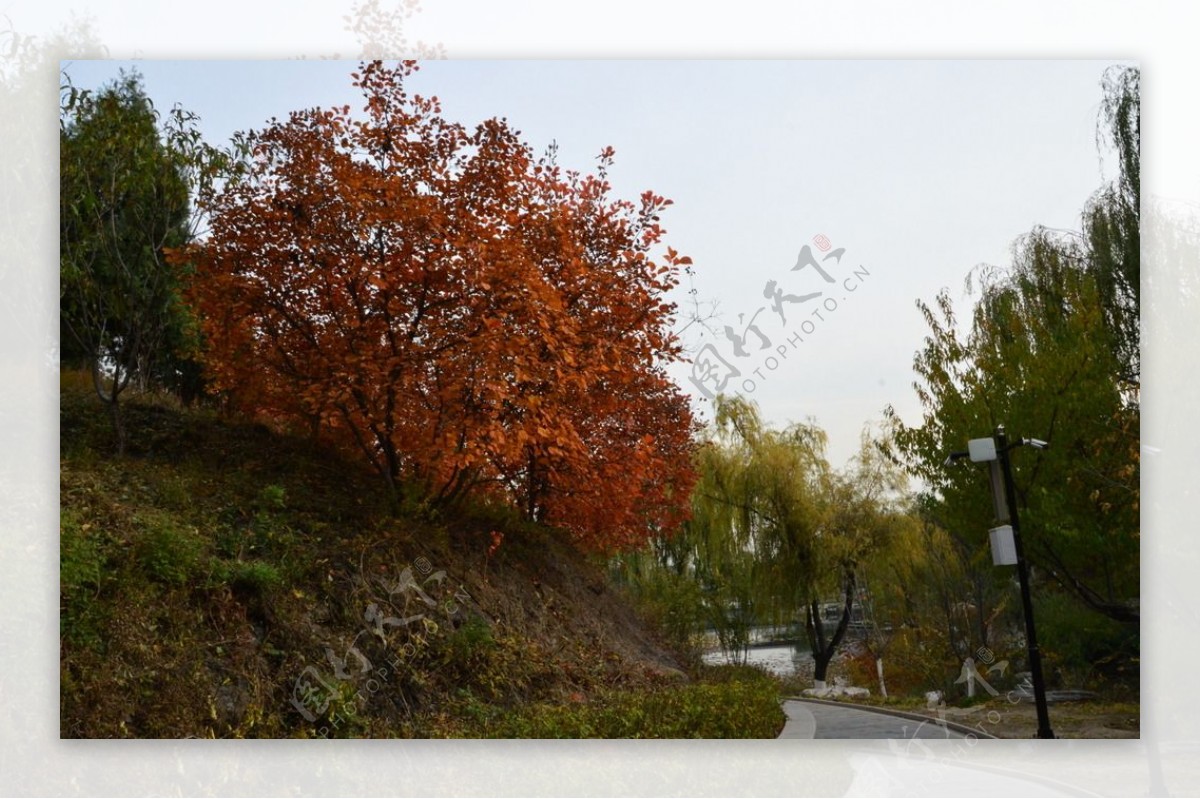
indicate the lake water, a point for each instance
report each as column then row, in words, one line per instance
column 782, row 660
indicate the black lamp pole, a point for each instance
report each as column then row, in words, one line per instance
column 1035, row 654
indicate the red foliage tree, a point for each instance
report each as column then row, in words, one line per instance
column 474, row 320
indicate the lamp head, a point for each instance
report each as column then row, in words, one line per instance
column 982, row 450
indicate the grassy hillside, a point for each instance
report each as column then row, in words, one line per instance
column 222, row 580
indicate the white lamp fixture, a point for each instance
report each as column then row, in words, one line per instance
column 982, row 449
column 1004, row 548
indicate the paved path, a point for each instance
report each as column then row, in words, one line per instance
column 817, row 720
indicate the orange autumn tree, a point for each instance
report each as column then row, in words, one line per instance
column 472, row 319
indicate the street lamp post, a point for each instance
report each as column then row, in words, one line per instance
column 1035, row 654
column 996, row 451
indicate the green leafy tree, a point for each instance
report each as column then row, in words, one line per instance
column 754, row 514
column 801, row 533
column 1051, row 352
column 128, row 178
column 123, row 200
column 935, row 600
column 858, row 521
column 775, row 537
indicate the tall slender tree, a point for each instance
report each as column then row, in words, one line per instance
column 123, row 201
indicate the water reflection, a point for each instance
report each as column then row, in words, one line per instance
column 783, row 660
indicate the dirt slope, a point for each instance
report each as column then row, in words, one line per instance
column 224, row 580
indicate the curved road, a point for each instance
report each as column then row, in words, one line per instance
column 819, row 720
column 913, row 769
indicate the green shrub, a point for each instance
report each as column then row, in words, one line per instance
column 272, row 497
column 1082, row 648
column 81, row 569
column 671, row 602
column 268, row 530
column 229, row 541
column 741, row 706
column 255, row 575
column 916, row 662
column 81, row 561
column 344, row 718
column 174, row 492
column 168, row 553
column 730, row 672
column 471, row 642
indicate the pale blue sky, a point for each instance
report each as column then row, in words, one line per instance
column 920, row 169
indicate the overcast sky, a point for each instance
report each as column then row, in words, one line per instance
column 920, row 170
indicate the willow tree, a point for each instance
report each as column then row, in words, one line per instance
column 859, row 518
column 754, row 518
column 1112, row 222
column 785, row 531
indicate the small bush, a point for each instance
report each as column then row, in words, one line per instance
column 81, row 569
column 268, row 530
column 173, row 492
column 857, row 664
column 272, row 497
column 255, row 575
column 912, row 665
column 730, row 672
column 1082, row 648
column 672, row 603
column 168, row 553
column 81, row 561
column 471, row 642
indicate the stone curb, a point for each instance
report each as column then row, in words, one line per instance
column 954, row 725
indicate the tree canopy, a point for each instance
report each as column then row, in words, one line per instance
column 1051, row 352
column 123, row 200
column 472, row 319
column 775, row 533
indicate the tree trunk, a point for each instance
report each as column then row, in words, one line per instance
column 110, row 396
column 114, row 410
column 822, row 650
